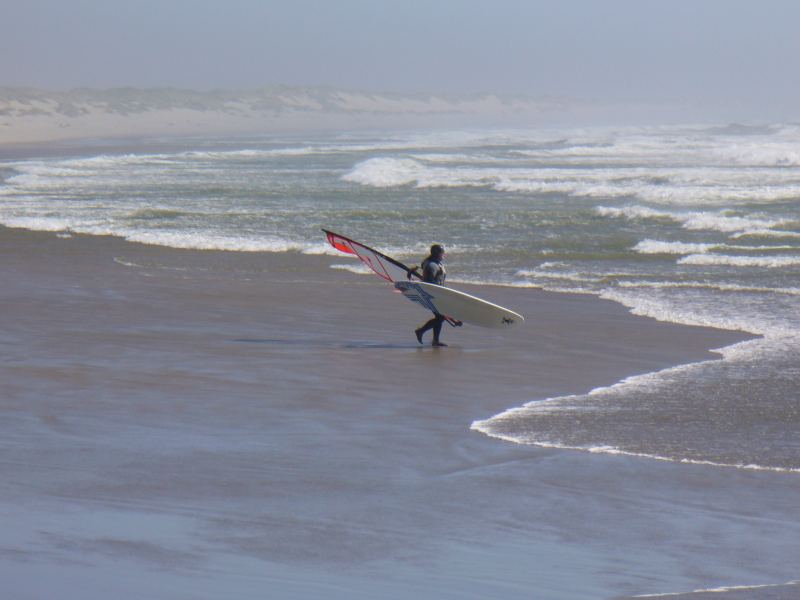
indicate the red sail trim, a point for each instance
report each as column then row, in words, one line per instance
column 384, row 266
column 340, row 243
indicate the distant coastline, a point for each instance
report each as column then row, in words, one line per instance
column 31, row 115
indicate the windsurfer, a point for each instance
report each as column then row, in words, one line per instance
column 432, row 272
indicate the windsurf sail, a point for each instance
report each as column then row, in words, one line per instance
column 384, row 266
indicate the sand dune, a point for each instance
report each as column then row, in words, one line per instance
column 28, row 115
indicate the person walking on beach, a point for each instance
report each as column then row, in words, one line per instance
column 432, row 272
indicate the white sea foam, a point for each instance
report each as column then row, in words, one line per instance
column 534, row 186
column 35, row 176
column 657, row 170
column 636, row 384
column 769, row 262
column 722, row 589
column 39, row 223
column 359, row 268
column 56, row 173
column 385, row 172
column 723, row 221
column 664, row 247
column 173, row 239
column 657, row 185
column 210, row 241
column 721, row 287
column 726, row 223
column 746, row 248
column 486, row 428
column 225, row 155
column 769, row 233
column 251, row 153
column 632, row 212
column 542, row 273
column 686, row 461
column 660, row 247
column 761, row 152
column 105, row 161
column 677, row 310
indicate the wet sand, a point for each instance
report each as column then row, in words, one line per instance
column 197, row 424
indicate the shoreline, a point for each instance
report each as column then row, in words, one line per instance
column 698, row 348
column 196, row 422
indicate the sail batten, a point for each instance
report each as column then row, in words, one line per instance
column 383, row 266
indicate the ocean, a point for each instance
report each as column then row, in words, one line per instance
column 694, row 225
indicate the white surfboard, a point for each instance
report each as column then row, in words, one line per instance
column 458, row 305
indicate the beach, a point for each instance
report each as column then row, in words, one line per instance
column 216, row 377
column 208, row 424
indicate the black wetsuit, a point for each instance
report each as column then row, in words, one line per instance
column 432, row 272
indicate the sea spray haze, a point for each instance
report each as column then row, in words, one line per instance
column 697, row 225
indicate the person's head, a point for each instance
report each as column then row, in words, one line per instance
column 437, row 251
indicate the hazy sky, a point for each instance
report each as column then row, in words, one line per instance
column 726, row 51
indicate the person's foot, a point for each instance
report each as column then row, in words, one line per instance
column 418, row 333
column 439, row 345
